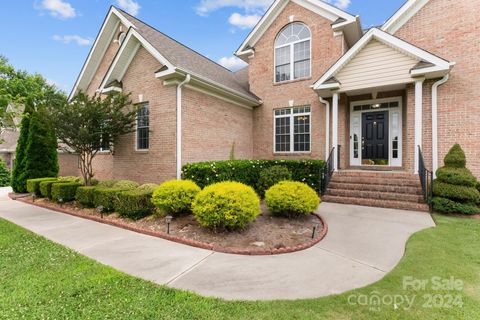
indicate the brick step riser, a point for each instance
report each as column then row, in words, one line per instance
column 376, row 188
column 402, row 205
column 376, row 181
column 375, row 195
column 407, row 176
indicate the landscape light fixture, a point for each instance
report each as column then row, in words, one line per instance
column 316, row 226
column 34, row 196
column 100, row 209
column 168, row 219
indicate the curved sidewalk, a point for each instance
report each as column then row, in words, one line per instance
column 362, row 245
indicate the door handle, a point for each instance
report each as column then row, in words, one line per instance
column 363, row 143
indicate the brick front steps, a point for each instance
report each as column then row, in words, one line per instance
column 395, row 190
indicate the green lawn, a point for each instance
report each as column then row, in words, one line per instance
column 40, row 279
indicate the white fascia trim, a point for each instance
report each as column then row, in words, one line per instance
column 107, row 90
column 387, row 39
column 324, row 9
column 424, row 71
column 403, row 15
column 328, row 86
column 132, row 33
column 124, row 21
column 210, row 84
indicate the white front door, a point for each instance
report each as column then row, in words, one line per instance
column 357, row 111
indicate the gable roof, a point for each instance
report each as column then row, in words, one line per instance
column 405, row 13
column 431, row 65
column 340, row 19
column 170, row 53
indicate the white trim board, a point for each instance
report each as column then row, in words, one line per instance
column 403, row 15
column 322, row 8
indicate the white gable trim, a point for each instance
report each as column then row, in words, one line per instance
column 387, row 39
column 125, row 49
column 100, row 46
column 324, row 9
column 403, row 15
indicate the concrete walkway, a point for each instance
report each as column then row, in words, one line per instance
column 362, row 245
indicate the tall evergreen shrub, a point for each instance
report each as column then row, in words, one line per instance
column 19, row 179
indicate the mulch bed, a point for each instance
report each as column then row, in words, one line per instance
column 266, row 236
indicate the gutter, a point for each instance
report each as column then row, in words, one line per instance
column 435, row 123
column 179, row 126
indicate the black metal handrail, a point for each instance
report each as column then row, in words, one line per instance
column 426, row 178
column 327, row 172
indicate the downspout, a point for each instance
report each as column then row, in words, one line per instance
column 327, row 126
column 179, row 126
column 435, row 123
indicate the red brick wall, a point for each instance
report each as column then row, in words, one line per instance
column 211, row 126
column 451, row 30
column 326, row 49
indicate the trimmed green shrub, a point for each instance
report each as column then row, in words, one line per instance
column 448, row 206
column 70, row 179
column 4, row 175
column 271, row 176
column 65, row 191
column 457, row 176
column 455, row 158
column 33, row 185
column 248, row 171
column 455, row 192
column 455, row 189
column 291, row 199
column 125, row 185
column 106, row 197
column 84, row 196
column 106, row 183
column 226, row 206
column 175, row 196
column 46, row 188
column 134, row 204
column 148, row 187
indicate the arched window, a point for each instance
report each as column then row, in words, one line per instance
column 293, row 52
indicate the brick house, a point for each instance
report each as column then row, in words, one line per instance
column 316, row 84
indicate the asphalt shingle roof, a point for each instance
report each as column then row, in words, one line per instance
column 189, row 60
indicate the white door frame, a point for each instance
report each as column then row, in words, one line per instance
column 395, row 129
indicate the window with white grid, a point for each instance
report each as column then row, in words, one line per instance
column 293, row 52
column 293, row 129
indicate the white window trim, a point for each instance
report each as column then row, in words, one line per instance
column 136, row 129
column 398, row 162
column 292, row 130
column 292, row 55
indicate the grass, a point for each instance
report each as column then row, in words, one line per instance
column 40, row 280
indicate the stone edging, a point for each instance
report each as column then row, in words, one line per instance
column 193, row 243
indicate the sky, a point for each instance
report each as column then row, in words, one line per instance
column 53, row 37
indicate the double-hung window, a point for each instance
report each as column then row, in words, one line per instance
column 292, row 130
column 293, row 52
column 143, row 127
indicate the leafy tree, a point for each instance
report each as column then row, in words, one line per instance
column 4, row 175
column 19, row 182
column 41, row 156
column 88, row 123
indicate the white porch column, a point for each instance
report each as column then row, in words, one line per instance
column 327, row 126
column 418, row 120
column 335, row 130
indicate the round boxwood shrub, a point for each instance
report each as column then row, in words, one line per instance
column 226, row 206
column 271, row 176
column 175, row 196
column 148, row 187
column 106, row 183
column 125, row 185
column 134, row 204
column 454, row 192
column 46, row 188
column 291, row 199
